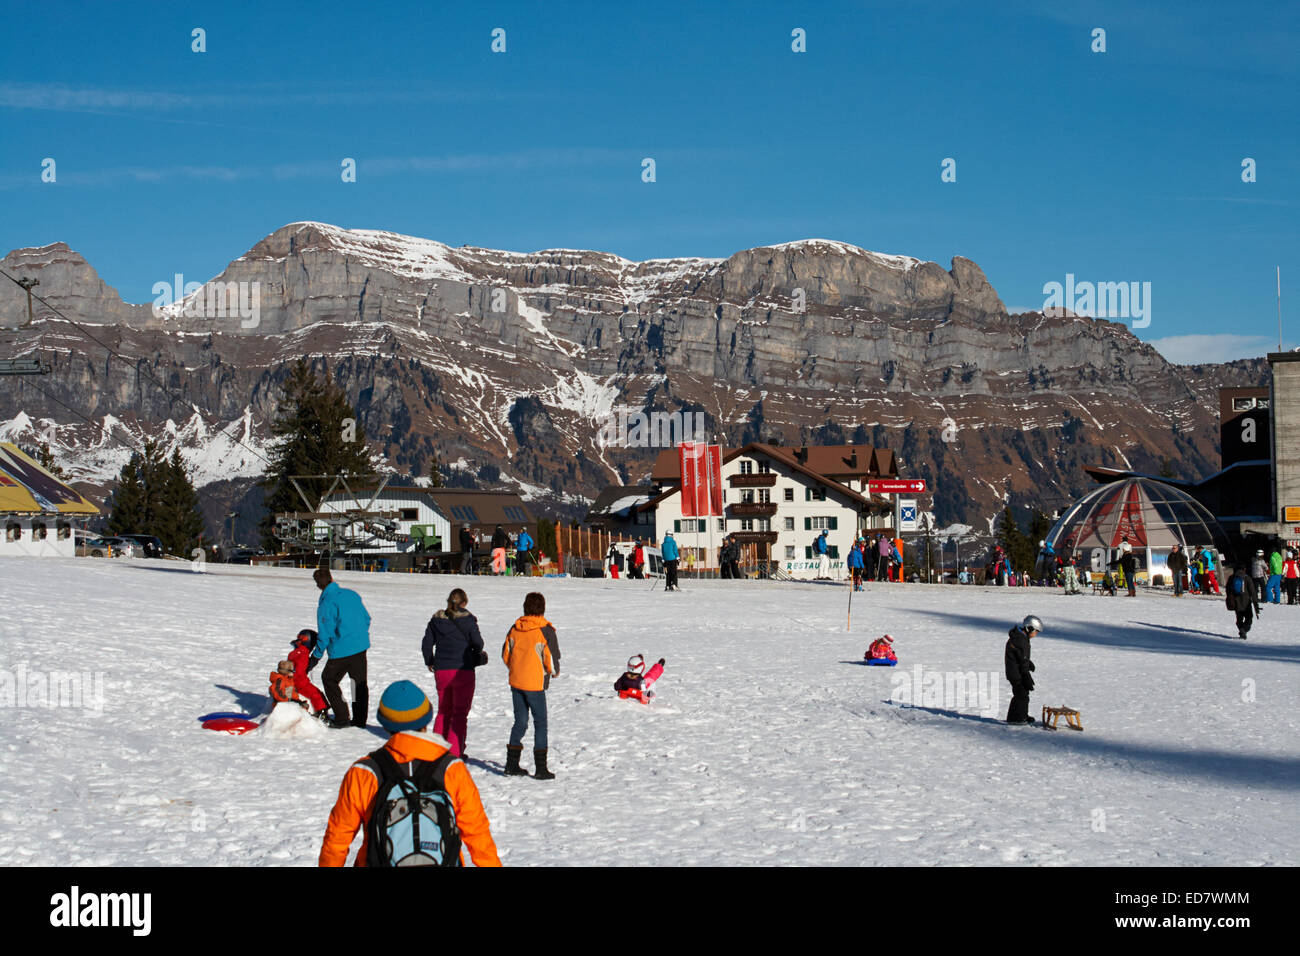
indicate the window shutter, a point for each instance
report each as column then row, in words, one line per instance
column 834, row 522
column 807, row 523
column 677, row 525
column 807, row 553
column 834, row 552
column 807, row 494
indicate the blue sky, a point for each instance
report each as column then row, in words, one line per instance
column 1116, row 166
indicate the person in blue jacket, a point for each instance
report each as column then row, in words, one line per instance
column 343, row 625
column 823, row 556
column 856, row 564
column 670, row 555
column 523, row 545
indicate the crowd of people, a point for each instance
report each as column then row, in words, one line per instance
column 452, row 649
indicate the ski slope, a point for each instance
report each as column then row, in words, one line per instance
column 769, row 743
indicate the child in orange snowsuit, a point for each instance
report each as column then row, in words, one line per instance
column 302, row 661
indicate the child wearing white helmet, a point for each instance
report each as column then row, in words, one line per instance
column 1020, row 668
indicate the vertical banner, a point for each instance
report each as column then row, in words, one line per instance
column 686, row 460
column 714, row 459
column 701, row 452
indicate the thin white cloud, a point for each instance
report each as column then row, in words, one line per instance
column 57, row 98
column 1222, row 347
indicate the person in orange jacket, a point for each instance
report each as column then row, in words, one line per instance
column 405, row 712
column 532, row 652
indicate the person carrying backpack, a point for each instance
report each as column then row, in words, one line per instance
column 856, row 564
column 413, row 769
column 1241, row 598
column 823, row 553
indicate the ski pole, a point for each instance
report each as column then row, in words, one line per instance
column 849, row 620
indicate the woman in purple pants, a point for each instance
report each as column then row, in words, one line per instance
column 452, row 649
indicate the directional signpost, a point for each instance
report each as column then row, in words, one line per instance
column 896, row 486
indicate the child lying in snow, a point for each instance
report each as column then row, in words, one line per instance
column 634, row 684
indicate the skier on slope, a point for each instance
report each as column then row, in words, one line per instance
column 1020, row 668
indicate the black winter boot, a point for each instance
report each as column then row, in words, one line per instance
column 512, row 761
column 539, row 757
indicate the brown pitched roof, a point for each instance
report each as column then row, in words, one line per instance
column 831, row 461
column 489, row 507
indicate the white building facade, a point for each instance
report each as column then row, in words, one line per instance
column 776, row 510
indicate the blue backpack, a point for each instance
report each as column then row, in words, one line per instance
column 412, row 821
column 1238, row 585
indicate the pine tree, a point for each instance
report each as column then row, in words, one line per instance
column 1014, row 542
column 546, row 537
column 132, row 507
column 179, row 518
column 1039, row 525
column 435, row 472
column 319, row 435
column 45, row 458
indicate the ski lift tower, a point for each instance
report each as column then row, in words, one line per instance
column 18, row 366
column 297, row 528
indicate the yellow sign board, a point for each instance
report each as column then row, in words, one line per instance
column 1291, row 514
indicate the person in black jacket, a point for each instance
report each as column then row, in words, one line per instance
column 1177, row 565
column 466, row 550
column 1242, row 597
column 1020, row 668
column 452, row 648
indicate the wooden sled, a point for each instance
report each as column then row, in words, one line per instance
column 1052, row 714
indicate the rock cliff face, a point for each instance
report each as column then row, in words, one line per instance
column 516, row 361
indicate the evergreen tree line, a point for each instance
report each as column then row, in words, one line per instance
column 1022, row 546
column 155, row 496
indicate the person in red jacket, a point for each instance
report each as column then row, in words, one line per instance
column 302, row 661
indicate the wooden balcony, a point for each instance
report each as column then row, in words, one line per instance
column 755, row 537
column 764, row 479
column 752, row 509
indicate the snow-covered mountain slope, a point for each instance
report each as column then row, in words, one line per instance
column 515, row 360
column 769, row 743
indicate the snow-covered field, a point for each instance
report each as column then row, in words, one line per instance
column 770, row 743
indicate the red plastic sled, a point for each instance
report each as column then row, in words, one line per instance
column 231, row 725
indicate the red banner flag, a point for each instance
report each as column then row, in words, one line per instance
column 686, row 460
column 714, row 459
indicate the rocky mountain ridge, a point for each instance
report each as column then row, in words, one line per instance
column 513, row 362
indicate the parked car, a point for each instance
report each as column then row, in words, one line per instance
column 151, row 546
column 110, row 547
column 124, row 547
column 244, row 555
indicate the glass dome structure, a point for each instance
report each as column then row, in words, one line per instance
column 1150, row 514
